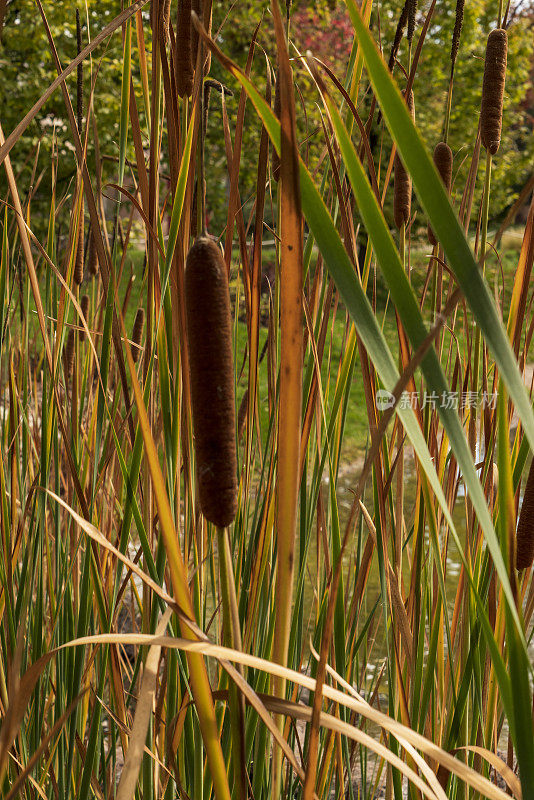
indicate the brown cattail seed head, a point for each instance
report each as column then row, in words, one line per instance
column 412, row 8
column 398, row 35
column 137, row 332
column 402, row 183
column 84, row 305
column 525, row 527
column 184, row 66
column 493, row 90
column 209, row 338
column 78, row 264
column 443, row 162
column 68, row 355
column 458, row 22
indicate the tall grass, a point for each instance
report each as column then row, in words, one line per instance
column 339, row 637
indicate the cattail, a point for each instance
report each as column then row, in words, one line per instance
column 402, row 183
column 92, row 265
column 493, row 90
column 277, row 111
column 84, row 305
column 184, row 67
column 412, row 8
column 68, row 356
column 525, row 527
column 458, row 22
column 398, row 35
column 137, row 333
column 78, row 264
column 209, row 337
column 443, row 162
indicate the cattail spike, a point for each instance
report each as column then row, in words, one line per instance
column 137, row 333
column 412, row 9
column 184, row 67
column 443, row 162
column 458, row 22
column 78, row 264
column 525, row 527
column 84, row 305
column 68, row 356
column 402, row 183
column 398, row 35
column 209, row 338
column 493, row 90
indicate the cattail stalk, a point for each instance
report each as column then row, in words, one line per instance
column 209, row 338
column 455, row 45
column 184, row 66
column 196, row 5
column 525, row 527
column 493, row 90
column 84, row 305
column 232, row 638
column 277, row 110
column 443, row 162
column 137, row 333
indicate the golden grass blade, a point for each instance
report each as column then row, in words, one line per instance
column 224, row 654
column 499, row 766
